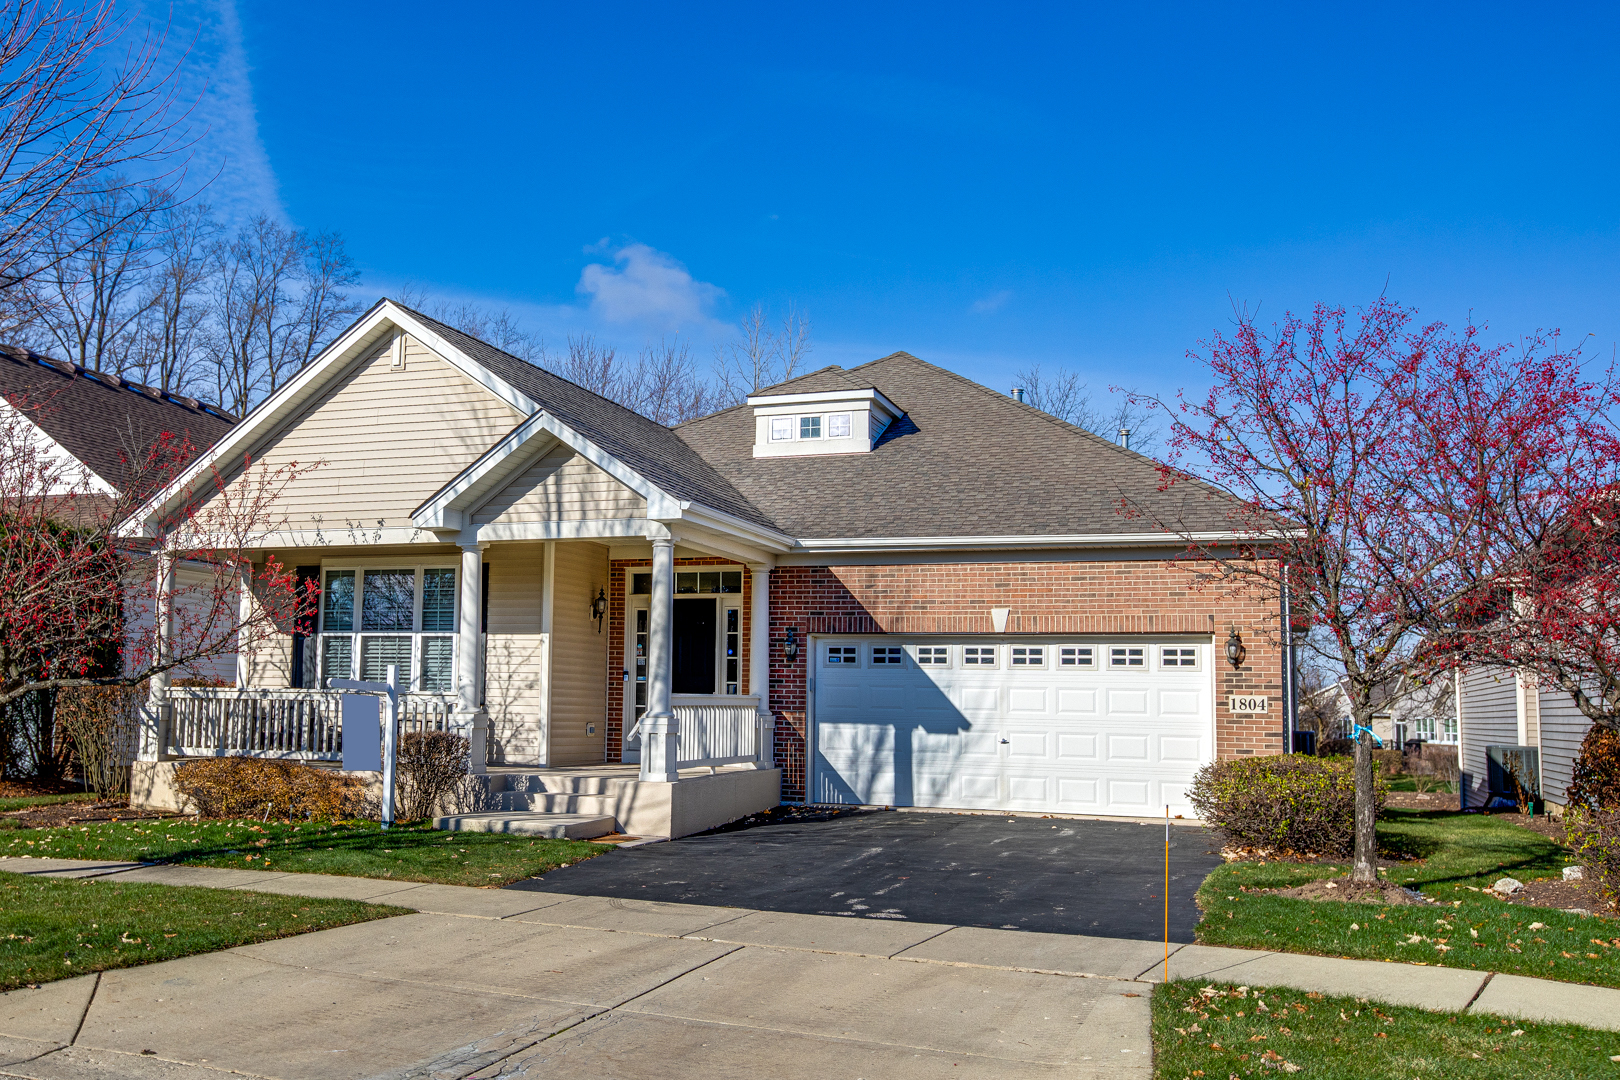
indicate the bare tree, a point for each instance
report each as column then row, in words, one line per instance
column 175, row 320
column 665, row 385
column 81, row 99
column 760, row 356
column 593, row 366
column 1063, row 394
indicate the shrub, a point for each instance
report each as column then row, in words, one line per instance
column 1595, row 779
column 1335, row 748
column 431, row 764
column 1291, row 804
column 227, row 787
column 1594, row 835
column 103, row 724
column 1388, row 760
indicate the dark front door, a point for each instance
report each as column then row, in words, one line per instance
column 693, row 659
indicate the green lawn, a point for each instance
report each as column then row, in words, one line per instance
column 53, row 928
column 1217, row 1031
column 1455, row 856
column 411, row 852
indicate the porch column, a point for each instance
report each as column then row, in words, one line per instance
column 759, row 659
column 470, row 715
column 660, row 730
column 244, row 615
column 155, row 717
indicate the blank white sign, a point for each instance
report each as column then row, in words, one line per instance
column 362, row 732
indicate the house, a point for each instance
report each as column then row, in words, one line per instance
column 1426, row 713
column 97, row 427
column 1503, row 707
column 885, row 585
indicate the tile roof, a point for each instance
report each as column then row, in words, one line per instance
column 964, row 461
column 645, row 445
column 99, row 418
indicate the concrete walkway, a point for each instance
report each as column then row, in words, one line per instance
column 487, row 983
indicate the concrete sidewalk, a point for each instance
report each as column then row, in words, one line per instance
column 485, row 983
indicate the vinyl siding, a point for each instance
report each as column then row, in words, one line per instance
column 561, row 486
column 1562, row 730
column 1488, row 711
column 514, row 652
column 387, row 439
column 579, row 657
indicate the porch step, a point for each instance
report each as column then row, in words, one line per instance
column 548, row 802
column 563, row 783
column 555, row 826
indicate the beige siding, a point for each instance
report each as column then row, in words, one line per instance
column 561, row 486
column 513, row 664
column 388, row 440
column 1488, row 714
column 515, row 572
column 579, row 656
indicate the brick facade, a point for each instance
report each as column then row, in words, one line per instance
column 1136, row 597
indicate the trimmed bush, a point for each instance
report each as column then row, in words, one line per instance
column 1335, row 748
column 233, row 787
column 1289, row 804
column 1595, row 837
column 431, row 764
column 1595, row 779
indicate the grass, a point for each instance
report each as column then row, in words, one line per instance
column 1217, row 1031
column 1454, row 856
column 408, row 852
column 1404, row 782
column 54, row 928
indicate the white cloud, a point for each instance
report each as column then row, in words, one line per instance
column 989, row 305
column 648, row 287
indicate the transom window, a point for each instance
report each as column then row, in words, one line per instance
column 781, row 429
column 1079, row 656
column 809, row 427
column 1127, row 656
column 887, row 654
column 979, row 655
column 933, row 655
column 843, row 654
column 838, row 426
column 1178, row 656
column 404, row 616
column 1028, row 656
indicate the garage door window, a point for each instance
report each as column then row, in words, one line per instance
column 1077, row 656
column 1177, row 656
column 1028, row 656
column 933, row 656
column 979, row 656
column 887, row 654
column 1126, row 656
column 843, row 654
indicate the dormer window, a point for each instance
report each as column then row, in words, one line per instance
column 809, row 427
column 838, row 426
column 781, row 429
column 822, row 422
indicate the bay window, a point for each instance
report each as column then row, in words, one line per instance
column 374, row 617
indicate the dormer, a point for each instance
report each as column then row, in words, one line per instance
column 829, row 422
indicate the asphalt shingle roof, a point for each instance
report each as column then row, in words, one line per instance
column 104, row 421
column 964, row 461
column 645, row 445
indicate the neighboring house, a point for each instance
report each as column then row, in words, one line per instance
column 96, row 425
column 1500, row 707
column 887, row 585
column 1427, row 713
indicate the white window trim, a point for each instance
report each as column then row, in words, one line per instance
column 887, row 662
column 1197, row 658
column 978, row 662
column 792, row 426
column 1057, row 657
column 826, row 654
column 821, row 428
column 1146, row 650
column 1013, row 665
column 849, row 425
column 356, row 644
column 916, row 659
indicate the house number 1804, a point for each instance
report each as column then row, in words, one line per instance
column 1247, row 703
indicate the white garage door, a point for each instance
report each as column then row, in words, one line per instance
column 1029, row 724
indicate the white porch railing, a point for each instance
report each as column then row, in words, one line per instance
column 303, row 724
column 716, row 729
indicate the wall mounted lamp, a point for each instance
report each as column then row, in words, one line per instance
column 599, row 608
column 790, row 644
column 1235, row 652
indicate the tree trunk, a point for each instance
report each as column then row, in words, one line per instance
column 1365, row 866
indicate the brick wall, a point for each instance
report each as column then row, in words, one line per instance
column 1126, row 598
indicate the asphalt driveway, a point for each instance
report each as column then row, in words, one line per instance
column 1102, row 878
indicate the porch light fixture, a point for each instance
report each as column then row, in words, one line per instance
column 1235, row 652
column 790, row 645
column 599, row 608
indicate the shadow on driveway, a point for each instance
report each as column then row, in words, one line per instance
column 1102, row 878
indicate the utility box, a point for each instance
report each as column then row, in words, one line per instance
column 1305, row 742
column 1510, row 769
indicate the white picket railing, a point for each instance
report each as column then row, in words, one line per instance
column 716, row 729
column 303, row 724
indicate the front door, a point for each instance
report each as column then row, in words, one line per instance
column 693, row 652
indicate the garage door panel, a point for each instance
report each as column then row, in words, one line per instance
column 1067, row 740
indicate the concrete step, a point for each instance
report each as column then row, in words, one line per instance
column 552, row 802
column 555, row 826
column 552, row 783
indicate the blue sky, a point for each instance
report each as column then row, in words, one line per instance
column 987, row 187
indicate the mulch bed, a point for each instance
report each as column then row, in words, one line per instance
column 1565, row 895
column 24, row 789
column 73, row 813
column 1347, row 891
